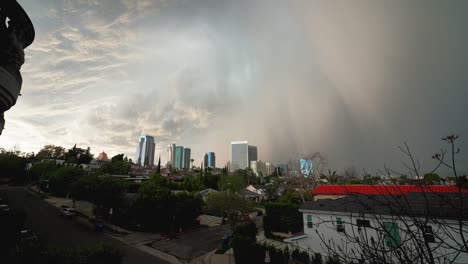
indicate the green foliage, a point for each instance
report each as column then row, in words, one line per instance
column 190, row 184
column 282, row 217
column 62, row 179
column 228, row 204
column 156, row 208
column 51, row 152
column 331, row 177
column 431, row 178
column 104, row 192
column 292, row 196
column 12, row 167
column 370, row 180
column 40, row 170
column 245, row 230
column 78, row 155
column 119, row 165
column 403, row 179
column 210, row 180
column 271, row 191
column 461, row 181
column 234, row 182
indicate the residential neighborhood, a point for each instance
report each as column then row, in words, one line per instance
column 233, row 132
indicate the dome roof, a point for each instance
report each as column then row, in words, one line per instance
column 102, row 156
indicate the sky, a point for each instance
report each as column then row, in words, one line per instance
column 351, row 79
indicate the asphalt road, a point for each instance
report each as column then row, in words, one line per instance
column 57, row 231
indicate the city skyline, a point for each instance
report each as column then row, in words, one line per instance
column 352, row 80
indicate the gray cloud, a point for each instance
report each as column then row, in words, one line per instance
column 352, row 79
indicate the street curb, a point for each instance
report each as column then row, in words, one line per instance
column 35, row 193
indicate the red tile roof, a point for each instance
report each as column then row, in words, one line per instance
column 383, row 189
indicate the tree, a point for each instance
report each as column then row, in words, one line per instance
column 158, row 169
column 51, row 152
column 119, row 165
column 431, row 178
column 234, row 182
column 12, row 166
column 61, row 180
column 331, row 177
column 228, row 205
column 304, row 180
column 271, row 191
column 412, row 230
column 78, row 155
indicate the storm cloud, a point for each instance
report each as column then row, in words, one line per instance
column 352, row 79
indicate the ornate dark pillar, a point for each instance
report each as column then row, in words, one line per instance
column 16, row 33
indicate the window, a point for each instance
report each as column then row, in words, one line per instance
column 339, row 225
column 428, row 234
column 363, row 223
column 392, row 234
column 309, row 221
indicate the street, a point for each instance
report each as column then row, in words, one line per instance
column 57, row 231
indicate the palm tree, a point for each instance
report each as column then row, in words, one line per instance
column 331, row 178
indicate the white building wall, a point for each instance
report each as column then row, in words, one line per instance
column 324, row 228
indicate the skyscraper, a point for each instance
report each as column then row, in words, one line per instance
column 210, row 160
column 242, row 154
column 179, row 157
column 145, row 151
column 187, row 158
column 171, row 154
column 252, row 153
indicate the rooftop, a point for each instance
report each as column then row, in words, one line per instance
column 384, row 189
column 435, row 205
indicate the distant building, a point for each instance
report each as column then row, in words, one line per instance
column 187, row 157
column 145, row 151
column 102, row 156
column 252, row 153
column 210, row 160
column 242, row 154
column 282, row 169
column 258, row 168
column 269, row 169
column 171, row 154
column 261, row 168
column 179, row 157
column 306, row 167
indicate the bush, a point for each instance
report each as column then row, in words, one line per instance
column 282, row 217
column 246, row 230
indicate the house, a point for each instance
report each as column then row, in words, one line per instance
column 387, row 223
column 258, row 189
column 340, row 191
column 251, row 195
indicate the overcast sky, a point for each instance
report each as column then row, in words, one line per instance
column 352, row 79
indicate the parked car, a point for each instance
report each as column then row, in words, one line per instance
column 68, row 212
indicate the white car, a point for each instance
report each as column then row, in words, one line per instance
column 68, row 212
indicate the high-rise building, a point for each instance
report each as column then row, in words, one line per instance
column 187, row 158
column 282, row 169
column 242, row 154
column 145, row 151
column 210, row 160
column 171, row 154
column 252, row 153
column 269, row 169
column 179, row 157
